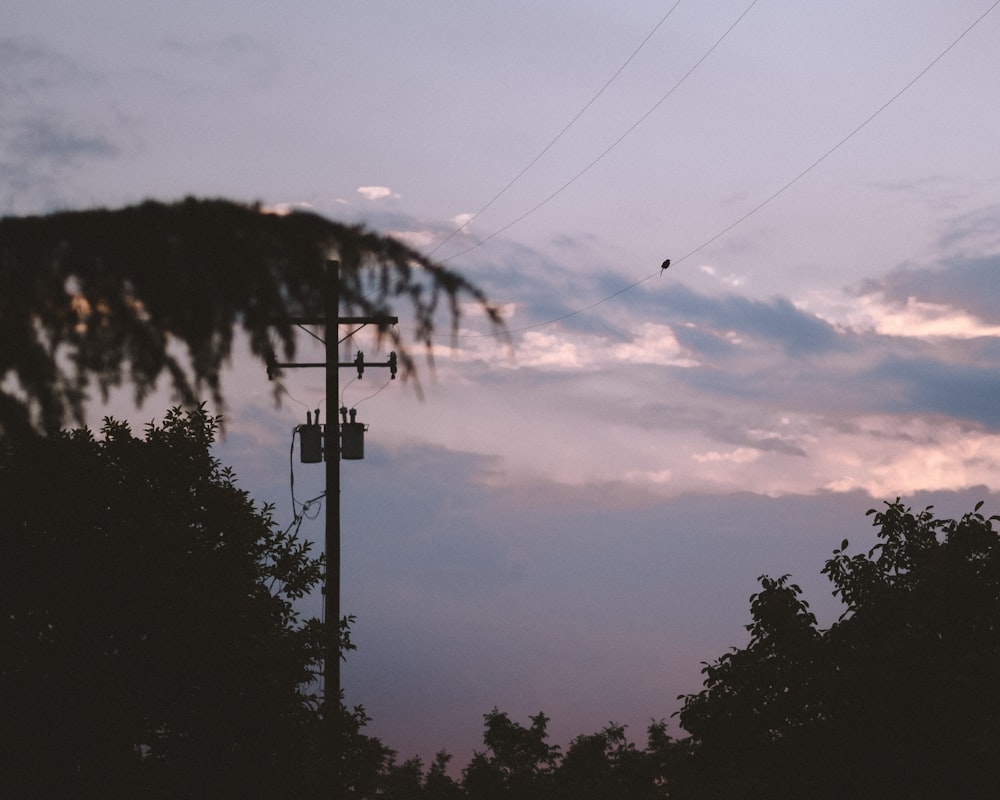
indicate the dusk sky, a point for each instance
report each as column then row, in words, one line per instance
column 572, row 521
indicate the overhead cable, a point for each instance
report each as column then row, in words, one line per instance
column 558, row 136
column 770, row 198
column 610, row 147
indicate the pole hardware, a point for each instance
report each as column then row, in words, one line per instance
column 358, row 363
column 311, row 440
column 352, row 436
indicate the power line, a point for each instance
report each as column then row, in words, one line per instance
column 369, row 397
column 558, row 136
column 291, row 397
column 773, row 196
column 843, row 141
column 610, row 147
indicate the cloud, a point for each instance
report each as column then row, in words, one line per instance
column 777, row 320
column 376, row 193
column 731, row 280
column 959, row 297
column 966, row 391
column 418, row 240
column 48, row 139
column 943, row 192
column 29, row 69
column 919, row 319
column 653, row 343
column 283, row 209
column 48, row 131
column 553, row 347
column 891, row 456
column 38, row 154
column 741, row 455
column 972, row 234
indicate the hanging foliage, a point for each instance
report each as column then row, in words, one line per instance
column 104, row 297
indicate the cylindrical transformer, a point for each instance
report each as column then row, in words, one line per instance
column 311, row 444
column 352, row 442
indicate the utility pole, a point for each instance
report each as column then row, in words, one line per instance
column 331, row 321
column 331, row 589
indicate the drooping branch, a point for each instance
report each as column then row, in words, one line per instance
column 97, row 297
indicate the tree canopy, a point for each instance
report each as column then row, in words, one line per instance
column 899, row 698
column 104, row 296
column 151, row 641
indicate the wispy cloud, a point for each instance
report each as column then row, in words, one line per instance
column 973, row 234
column 730, row 279
column 49, row 139
column 44, row 139
column 377, row 193
column 30, row 69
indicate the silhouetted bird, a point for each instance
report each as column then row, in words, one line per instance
column 664, row 265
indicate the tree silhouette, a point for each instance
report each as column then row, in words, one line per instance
column 151, row 646
column 518, row 762
column 899, row 698
column 438, row 784
column 606, row 765
column 103, row 297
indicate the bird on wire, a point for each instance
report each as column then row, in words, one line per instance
column 664, row 266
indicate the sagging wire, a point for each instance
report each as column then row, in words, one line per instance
column 342, row 390
column 558, row 136
column 611, row 147
column 291, row 397
column 369, row 397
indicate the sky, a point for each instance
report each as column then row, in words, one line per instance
column 573, row 520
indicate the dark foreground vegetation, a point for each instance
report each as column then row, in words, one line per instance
column 150, row 646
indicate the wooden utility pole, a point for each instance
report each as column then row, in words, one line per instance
column 331, row 589
column 331, row 320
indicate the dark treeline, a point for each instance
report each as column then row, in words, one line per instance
column 152, row 647
column 517, row 761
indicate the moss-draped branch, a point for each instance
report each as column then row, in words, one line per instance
column 96, row 297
